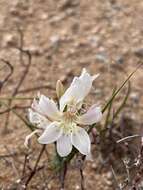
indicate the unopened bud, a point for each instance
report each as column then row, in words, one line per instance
column 59, row 89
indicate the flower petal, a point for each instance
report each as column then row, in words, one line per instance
column 48, row 108
column 93, row 115
column 64, row 145
column 80, row 139
column 51, row 134
column 89, row 157
column 78, row 89
column 28, row 137
column 33, row 116
column 38, row 119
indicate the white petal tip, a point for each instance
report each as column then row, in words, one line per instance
column 93, row 115
column 64, row 146
column 95, row 76
column 89, row 157
column 41, row 141
column 39, row 95
column 27, row 142
column 28, row 137
column 84, row 70
column 51, row 134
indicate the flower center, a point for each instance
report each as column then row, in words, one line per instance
column 68, row 122
column 68, row 127
column 69, row 117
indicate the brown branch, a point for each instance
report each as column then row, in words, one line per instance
column 35, row 167
column 18, row 86
column 24, row 73
column 36, row 88
column 82, row 179
column 12, row 160
column 11, row 69
column 80, row 167
column 20, row 31
column 14, row 107
column 62, row 176
column 24, row 165
column 8, row 155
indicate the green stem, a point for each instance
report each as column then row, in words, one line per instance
column 29, row 125
column 16, row 98
column 119, row 89
column 74, row 151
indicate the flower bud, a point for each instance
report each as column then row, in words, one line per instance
column 59, row 89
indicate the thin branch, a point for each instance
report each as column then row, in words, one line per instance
column 12, row 162
column 127, row 170
column 63, row 173
column 128, row 138
column 35, row 167
column 9, row 75
column 115, row 178
column 16, row 98
column 29, row 125
column 36, row 88
column 24, row 165
column 20, row 31
column 82, row 178
column 120, row 88
column 8, row 155
column 18, row 86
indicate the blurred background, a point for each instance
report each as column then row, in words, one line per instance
column 45, row 40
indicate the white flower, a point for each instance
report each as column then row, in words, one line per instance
column 63, row 125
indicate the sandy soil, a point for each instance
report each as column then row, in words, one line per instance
column 64, row 36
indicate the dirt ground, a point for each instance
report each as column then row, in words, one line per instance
column 64, row 36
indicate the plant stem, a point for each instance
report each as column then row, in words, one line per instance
column 35, row 167
column 16, row 98
column 120, row 88
column 74, row 151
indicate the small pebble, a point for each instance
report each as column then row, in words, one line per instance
column 56, row 19
column 67, row 4
column 94, row 166
column 35, row 50
column 135, row 97
column 93, row 40
column 120, row 60
column 44, row 16
column 109, row 183
column 138, row 52
column 49, row 186
column 101, row 57
column 55, row 40
column 9, row 39
column 109, row 175
column 77, row 187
